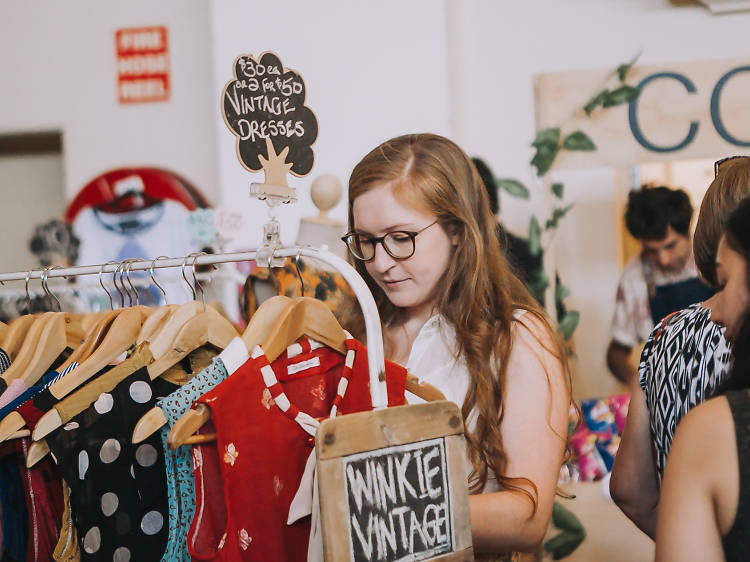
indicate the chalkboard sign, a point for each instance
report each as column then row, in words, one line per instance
column 264, row 106
column 393, row 485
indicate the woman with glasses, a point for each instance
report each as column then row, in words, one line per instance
column 423, row 237
column 684, row 361
column 704, row 511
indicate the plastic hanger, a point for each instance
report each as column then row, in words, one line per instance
column 260, row 324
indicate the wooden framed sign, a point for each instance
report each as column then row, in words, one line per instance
column 393, row 486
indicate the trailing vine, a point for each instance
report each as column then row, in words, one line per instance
column 547, row 144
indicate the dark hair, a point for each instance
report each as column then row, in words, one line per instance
column 651, row 209
column 738, row 238
column 488, row 179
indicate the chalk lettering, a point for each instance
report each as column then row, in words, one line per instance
column 399, row 497
column 431, row 473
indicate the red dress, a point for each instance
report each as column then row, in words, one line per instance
column 264, row 440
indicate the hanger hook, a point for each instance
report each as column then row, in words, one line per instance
column 153, row 279
column 101, row 270
column 184, row 264
column 128, row 267
column 197, row 283
column 47, row 290
column 28, row 297
column 299, row 273
column 114, row 281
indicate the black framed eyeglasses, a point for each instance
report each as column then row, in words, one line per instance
column 399, row 244
column 719, row 163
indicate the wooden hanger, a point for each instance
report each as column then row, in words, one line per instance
column 37, row 451
column 3, row 330
column 29, row 347
column 94, row 336
column 17, row 330
column 52, row 420
column 260, row 324
column 155, row 321
column 52, row 342
column 303, row 316
column 208, row 327
column 120, row 336
column 306, row 316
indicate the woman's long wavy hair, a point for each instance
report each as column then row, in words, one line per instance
column 478, row 292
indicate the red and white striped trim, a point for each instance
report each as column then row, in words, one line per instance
column 307, row 422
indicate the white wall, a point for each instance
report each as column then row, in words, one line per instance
column 498, row 49
column 372, row 70
column 58, row 72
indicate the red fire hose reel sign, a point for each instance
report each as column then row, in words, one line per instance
column 142, row 64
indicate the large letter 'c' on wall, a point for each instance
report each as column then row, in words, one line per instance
column 715, row 117
column 633, row 108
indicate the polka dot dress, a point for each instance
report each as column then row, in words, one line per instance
column 118, row 489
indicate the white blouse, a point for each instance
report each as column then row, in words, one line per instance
column 434, row 359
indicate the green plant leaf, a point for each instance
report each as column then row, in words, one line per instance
column 564, row 519
column 514, row 187
column 557, row 190
column 535, row 237
column 569, row 323
column 544, row 157
column 557, row 214
column 621, row 95
column 561, row 291
column 595, row 102
column 547, row 136
column 622, row 71
column 547, row 144
column 563, row 544
column 578, row 141
column 537, row 284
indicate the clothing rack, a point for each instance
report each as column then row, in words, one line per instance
column 375, row 352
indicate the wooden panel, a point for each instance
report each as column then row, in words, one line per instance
column 333, row 509
column 665, row 111
column 366, row 431
column 393, row 483
column 456, row 448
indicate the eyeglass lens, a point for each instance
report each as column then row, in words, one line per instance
column 399, row 245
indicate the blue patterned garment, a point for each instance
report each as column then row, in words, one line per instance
column 179, row 463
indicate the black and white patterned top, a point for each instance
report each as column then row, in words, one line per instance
column 4, row 360
column 118, row 489
column 683, row 362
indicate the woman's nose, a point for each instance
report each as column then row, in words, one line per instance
column 382, row 261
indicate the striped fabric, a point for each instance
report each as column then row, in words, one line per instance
column 4, row 360
column 308, row 423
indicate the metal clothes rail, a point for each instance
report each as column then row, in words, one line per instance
column 375, row 355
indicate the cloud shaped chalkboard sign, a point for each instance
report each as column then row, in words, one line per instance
column 264, row 106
